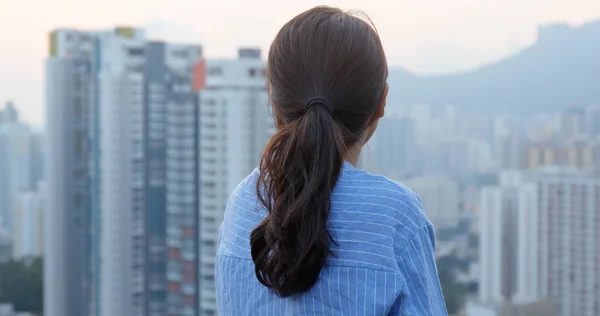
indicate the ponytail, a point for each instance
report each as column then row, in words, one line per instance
column 322, row 52
column 298, row 170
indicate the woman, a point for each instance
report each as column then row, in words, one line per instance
column 307, row 233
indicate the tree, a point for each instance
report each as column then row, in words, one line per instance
column 21, row 283
column 454, row 292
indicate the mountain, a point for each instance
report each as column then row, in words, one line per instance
column 560, row 69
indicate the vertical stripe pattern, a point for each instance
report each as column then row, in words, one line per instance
column 384, row 262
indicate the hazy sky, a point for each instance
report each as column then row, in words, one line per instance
column 425, row 36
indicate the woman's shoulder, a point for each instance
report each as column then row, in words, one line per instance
column 386, row 195
column 247, row 186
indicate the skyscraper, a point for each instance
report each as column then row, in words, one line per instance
column 559, row 241
column 235, row 125
column 572, row 122
column 396, row 153
column 15, row 163
column 540, row 239
column 67, row 225
column 123, row 131
column 498, row 245
column 592, row 117
column 9, row 114
column 170, row 155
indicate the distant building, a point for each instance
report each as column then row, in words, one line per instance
column 541, row 154
column 235, row 125
column 9, row 114
column 559, row 241
column 498, row 245
column 540, row 233
column 582, row 152
column 592, row 117
column 537, row 308
column 440, row 197
column 509, row 152
column 394, row 146
column 452, row 156
column 573, row 122
column 479, row 157
column 28, row 232
column 507, row 141
column 15, row 163
column 37, row 158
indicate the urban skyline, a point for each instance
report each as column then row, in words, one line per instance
column 145, row 141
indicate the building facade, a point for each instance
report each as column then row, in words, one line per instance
column 235, row 125
column 16, row 174
column 559, row 243
column 499, row 239
column 540, row 238
column 536, row 308
column 123, row 127
column 67, row 228
column 395, row 147
column 28, row 232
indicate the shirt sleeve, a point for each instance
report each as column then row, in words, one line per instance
column 422, row 293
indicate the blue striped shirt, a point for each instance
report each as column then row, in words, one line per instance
column 384, row 261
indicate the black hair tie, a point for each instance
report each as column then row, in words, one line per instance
column 321, row 101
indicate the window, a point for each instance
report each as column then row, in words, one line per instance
column 180, row 53
column 78, row 102
column 79, row 143
column 209, row 312
column 209, row 184
column 135, row 51
column 215, row 71
column 208, row 101
column 210, row 220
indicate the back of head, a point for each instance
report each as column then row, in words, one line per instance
column 326, row 75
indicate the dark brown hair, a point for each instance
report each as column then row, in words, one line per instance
column 329, row 55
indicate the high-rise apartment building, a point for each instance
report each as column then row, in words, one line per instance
column 507, row 142
column 592, row 116
column 541, row 239
column 67, row 225
column 543, row 307
column 582, row 152
column 15, row 163
column 572, row 122
column 559, row 241
column 235, row 125
column 498, row 240
column 508, row 151
column 9, row 114
column 395, row 147
column 122, row 175
column 542, row 154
